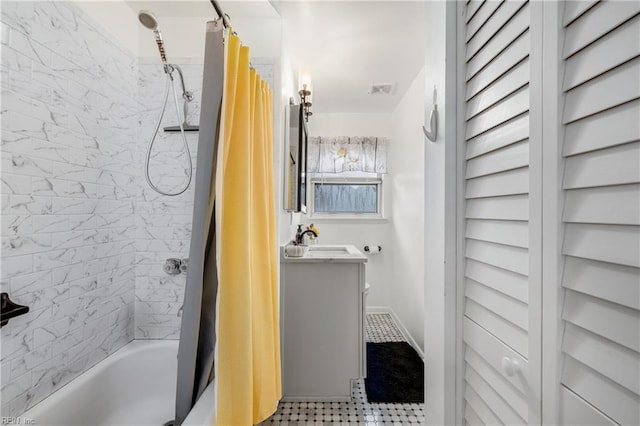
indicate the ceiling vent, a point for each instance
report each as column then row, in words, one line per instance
column 381, row 89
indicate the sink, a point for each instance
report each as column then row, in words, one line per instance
column 324, row 253
column 332, row 252
column 328, row 251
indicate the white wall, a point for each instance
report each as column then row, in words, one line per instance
column 406, row 181
column 117, row 18
column 322, row 124
column 439, row 291
column 287, row 220
column 361, row 233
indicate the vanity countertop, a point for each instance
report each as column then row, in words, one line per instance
column 327, row 253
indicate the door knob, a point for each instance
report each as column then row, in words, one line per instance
column 511, row 367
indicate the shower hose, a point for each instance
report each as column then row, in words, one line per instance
column 155, row 134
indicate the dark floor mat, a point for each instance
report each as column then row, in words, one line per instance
column 395, row 373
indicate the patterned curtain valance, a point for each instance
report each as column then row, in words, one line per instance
column 337, row 154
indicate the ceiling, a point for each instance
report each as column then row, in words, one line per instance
column 345, row 46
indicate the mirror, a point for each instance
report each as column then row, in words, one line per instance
column 295, row 191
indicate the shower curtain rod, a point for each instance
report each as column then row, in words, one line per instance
column 220, row 13
column 225, row 20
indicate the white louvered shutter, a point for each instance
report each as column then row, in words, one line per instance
column 600, row 382
column 496, row 75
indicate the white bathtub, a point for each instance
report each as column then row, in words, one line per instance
column 133, row 387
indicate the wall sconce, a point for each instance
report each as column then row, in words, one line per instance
column 305, row 98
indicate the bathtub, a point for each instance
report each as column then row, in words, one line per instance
column 133, row 387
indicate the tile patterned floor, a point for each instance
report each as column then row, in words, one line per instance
column 380, row 328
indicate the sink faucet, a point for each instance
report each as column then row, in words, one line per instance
column 300, row 234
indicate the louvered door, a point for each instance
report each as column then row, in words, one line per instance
column 600, row 380
column 495, row 74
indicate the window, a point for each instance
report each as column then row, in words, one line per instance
column 346, row 197
column 345, row 176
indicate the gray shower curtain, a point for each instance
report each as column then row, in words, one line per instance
column 197, row 333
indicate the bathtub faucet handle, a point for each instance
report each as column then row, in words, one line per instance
column 172, row 266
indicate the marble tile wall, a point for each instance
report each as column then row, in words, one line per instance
column 163, row 224
column 69, row 185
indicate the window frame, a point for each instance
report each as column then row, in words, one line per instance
column 319, row 179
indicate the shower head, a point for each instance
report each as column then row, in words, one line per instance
column 149, row 20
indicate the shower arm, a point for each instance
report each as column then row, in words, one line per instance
column 169, row 68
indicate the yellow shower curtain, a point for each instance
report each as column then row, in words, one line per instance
column 248, row 340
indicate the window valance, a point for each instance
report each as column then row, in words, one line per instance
column 337, row 154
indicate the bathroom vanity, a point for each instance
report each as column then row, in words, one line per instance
column 322, row 312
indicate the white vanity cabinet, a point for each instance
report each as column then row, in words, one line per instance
column 322, row 309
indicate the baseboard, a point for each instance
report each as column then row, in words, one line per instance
column 401, row 326
column 378, row 309
column 316, row 398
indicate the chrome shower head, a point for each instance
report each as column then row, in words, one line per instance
column 148, row 19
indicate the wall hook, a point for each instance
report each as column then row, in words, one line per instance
column 433, row 134
column 433, row 119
